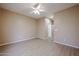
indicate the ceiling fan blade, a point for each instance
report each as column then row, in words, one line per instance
column 38, row 7
column 33, row 8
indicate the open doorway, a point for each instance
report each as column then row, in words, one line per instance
column 50, row 28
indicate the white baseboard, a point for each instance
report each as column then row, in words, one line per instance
column 67, row 45
column 15, row 41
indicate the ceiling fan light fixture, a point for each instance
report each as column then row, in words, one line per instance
column 36, row 9
column 36, row 12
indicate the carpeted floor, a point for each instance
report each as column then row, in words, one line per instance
column 36, row 47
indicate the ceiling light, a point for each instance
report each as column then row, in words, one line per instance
column 36, row 9
column 36, row 12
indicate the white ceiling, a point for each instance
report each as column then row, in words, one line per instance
column 25, row 8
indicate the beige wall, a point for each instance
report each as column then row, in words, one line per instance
column 67, row 24
column 16, row 27
column 42, row 31
column 0, row 23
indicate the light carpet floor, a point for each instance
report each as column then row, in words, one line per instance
column 36, row 47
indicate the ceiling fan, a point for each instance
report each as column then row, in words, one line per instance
column 36, row 9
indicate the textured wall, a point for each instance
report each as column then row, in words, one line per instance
column 67, row 24
column 16, row 27
column 41, row 29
